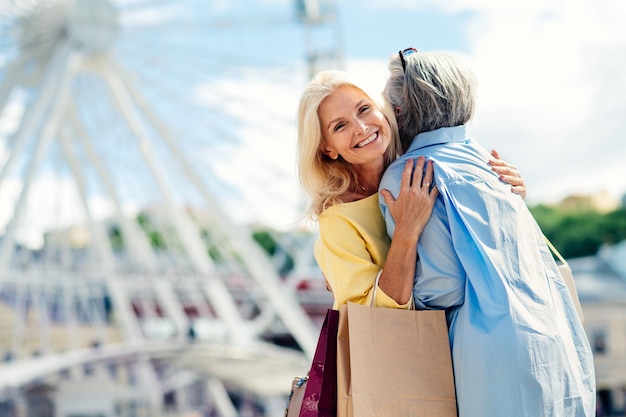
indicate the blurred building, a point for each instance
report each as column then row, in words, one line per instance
column 601, row 285
column 601, row 202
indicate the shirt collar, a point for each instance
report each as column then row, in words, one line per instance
column 438, row 136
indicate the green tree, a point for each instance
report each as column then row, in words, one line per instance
column 269, row 244
column 115, row 237
column 155, row 237
column 577, row 233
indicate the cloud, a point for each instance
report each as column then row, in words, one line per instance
column 550, row 76
column 260, row 171
column 548, row 102
column 551, row 82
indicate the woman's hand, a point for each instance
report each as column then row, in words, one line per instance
column 411, row 211
column 508, row 173
column 414, row 205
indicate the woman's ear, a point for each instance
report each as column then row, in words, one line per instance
column 330, row 153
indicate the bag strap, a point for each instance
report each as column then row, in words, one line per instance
column 554, row 251
column 568, row 278
column 375, row 289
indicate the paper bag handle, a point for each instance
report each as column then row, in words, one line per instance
column 566, row 273
column 411, row 305
column 553, row 249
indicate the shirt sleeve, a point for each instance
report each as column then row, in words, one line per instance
column 343, row 256
column 440, row 279
column 439, row 275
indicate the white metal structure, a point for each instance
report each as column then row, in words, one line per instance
column 100, row 119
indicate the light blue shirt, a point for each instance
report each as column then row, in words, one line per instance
column 518, row 346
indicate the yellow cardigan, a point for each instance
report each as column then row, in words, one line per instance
column 351, row 249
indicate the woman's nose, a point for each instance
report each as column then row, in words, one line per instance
column 361, row 127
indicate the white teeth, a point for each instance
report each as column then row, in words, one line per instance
column 367, row 141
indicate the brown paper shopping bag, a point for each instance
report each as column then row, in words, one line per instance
column 568, row 277
column 344, row 385
column 393, row 363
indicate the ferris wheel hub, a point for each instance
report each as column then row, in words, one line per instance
column 93, row 25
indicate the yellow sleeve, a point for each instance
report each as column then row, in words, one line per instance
column 344, row 257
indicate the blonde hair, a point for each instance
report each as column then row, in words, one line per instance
column 325, row 179
column 437, row 89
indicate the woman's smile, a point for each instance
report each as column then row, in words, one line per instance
column 367, row 141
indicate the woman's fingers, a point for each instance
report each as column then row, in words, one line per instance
column 505, row 169
column 412, row 206
column 389, row 198
column 519, row 189
column 406, row 174
column 428, row 177
column 434, row 192
column 418, row 172
column 415, row 177
column 512, row 179
column 413, row 174
column 495, row 154
column 508, row 173
column 497, row 162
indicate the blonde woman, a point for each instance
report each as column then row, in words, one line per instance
column 346, row 140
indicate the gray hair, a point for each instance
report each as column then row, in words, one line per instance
column 436, row 90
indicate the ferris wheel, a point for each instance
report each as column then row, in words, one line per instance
column 210, row 78
column 159, row 123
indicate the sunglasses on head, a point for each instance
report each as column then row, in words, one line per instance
column 403, row 53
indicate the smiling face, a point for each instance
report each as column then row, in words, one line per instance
column 353, row 127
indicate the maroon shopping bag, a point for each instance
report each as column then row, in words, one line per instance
column 320, row 395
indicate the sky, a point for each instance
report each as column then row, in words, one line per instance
column 552, row 78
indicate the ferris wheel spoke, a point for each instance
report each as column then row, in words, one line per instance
column 210, row 122
column 101, row 244
column 137, row 242
column 255, row 260
column 55, row 105
column 200, row 125
column 182, row 62
column 170, row 94
column 218, row 293
column 129, row 113
column 12, row 78
column 34, row 114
